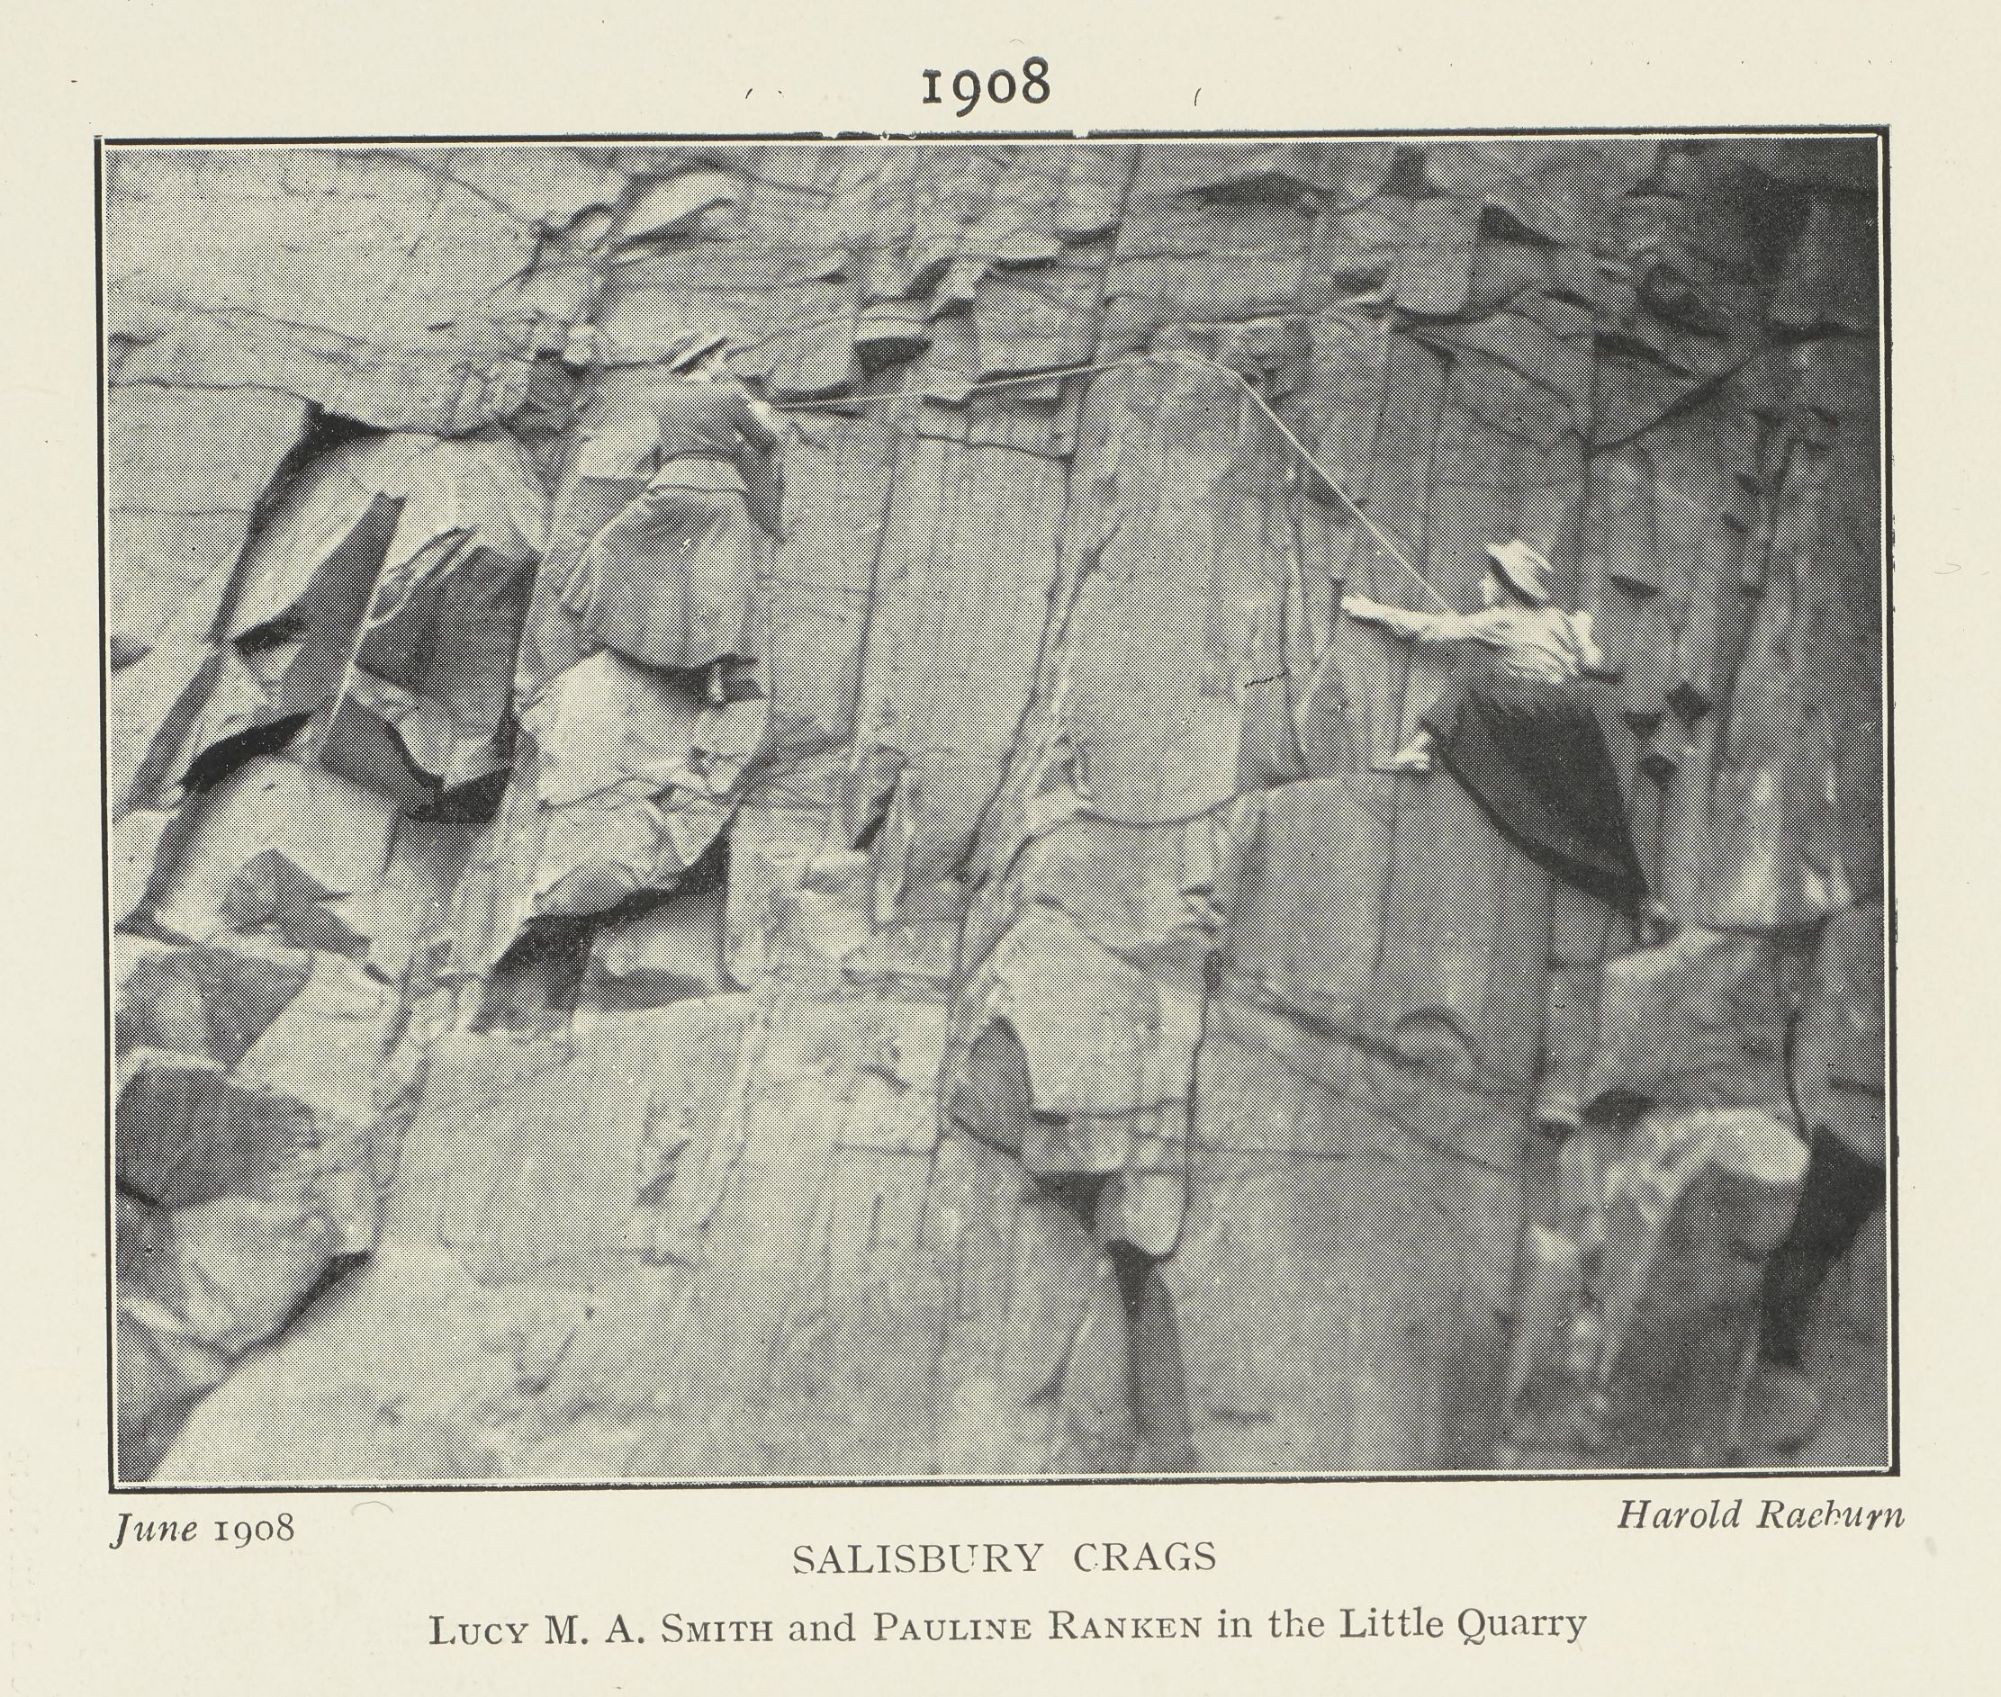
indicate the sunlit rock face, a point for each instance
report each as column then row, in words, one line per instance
column 1020, row 1032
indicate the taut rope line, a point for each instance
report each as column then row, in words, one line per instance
column 1177, row 357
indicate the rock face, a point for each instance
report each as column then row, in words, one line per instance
column 1023, row 1033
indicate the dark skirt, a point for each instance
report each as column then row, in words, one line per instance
column 672, row 581
column 1533, row 755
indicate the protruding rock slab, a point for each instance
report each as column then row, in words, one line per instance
column 240, row 1191
column 717, row 1238
column 1696, row 1202
column 185, row 469
column 1340, row 1290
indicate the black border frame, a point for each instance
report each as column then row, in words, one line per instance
column 1893, row 1341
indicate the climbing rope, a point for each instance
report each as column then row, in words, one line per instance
column 1299, row 448
column 1179, row 356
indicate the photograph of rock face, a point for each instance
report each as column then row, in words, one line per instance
column 953, row 810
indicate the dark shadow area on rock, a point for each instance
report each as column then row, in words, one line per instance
column 1159, row 1386
column 213, row 764
column 534, row 985
column 472, row 803
column 324, row 432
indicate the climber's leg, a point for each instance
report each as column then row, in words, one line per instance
column 1435, row 725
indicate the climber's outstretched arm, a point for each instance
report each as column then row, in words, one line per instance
column 1405, row 625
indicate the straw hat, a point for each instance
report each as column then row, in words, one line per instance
column 1525, row 571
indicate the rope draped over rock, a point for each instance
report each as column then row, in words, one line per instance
column 1179, row 356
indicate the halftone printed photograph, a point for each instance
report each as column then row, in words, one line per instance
column 974, row 809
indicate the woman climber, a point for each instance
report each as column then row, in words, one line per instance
column 672, row 580
column 1515, row 729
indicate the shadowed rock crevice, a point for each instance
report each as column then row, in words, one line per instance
column 324, row 432
column 1159, row 1386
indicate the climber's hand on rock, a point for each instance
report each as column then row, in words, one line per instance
column 1363, row 611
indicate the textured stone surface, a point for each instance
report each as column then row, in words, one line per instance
column 1024, row 1034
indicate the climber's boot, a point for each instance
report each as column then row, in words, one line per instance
column 1558, row 1115
column 1414, row 756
